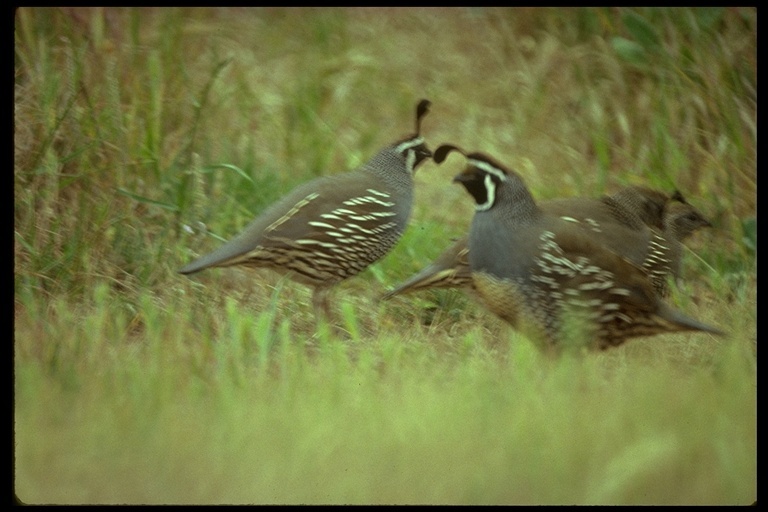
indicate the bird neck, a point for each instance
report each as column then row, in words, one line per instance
column 391, row 168
column 514, row 200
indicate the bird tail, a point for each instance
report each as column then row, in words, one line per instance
column 680, row 322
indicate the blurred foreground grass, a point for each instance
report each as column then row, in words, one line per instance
column 143, row 136
column 169, row 415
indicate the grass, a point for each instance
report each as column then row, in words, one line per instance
column 169, row 415
column 143, row 137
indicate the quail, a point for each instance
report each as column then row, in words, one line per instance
column 625, row 222
column 681, row 220
column 333, row 227
column 549, row 279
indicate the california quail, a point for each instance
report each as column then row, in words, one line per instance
column 629, row 223
column 681, row 220
column 549, row 279
column 333, row 227
column 624, row 221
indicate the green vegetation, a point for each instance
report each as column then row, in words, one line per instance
column 145, row 136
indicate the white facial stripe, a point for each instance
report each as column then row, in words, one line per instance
column 490, row 188
column 408, row 144
column 485, row 166
column 410, row 160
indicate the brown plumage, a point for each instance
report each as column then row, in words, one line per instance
column 332, row 227
column 629, row 222
column 548, row 278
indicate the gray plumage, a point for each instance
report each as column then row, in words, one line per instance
column 624, row 222
column 333, row 227
column 548, row 279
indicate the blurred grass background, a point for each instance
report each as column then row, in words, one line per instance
column 144, row 136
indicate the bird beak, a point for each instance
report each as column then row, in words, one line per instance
column 464, row 176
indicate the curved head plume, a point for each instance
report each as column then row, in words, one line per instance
column 477, row 160
column 441, row 153
column 412, row 148
column 481, row 177
column 421, row 110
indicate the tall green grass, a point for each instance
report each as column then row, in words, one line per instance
column 170, row 414
column 143, row 137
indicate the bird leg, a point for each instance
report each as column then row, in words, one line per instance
column 320, row 296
